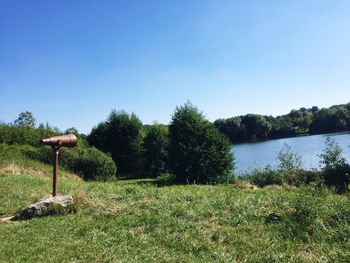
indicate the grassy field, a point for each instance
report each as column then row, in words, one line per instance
column 136, row 221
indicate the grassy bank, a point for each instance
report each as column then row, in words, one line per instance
column 132, row 221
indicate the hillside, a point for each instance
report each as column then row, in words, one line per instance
column 136, row 221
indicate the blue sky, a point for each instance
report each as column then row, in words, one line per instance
column 72, row 62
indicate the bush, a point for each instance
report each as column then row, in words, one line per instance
column 289, row 167
column 338, row 177
column 10, row 134
column 336, row 172
column 309, row 176
column 92, row 164
column 198, row 152
column 165, row 179
column 155, row 150
column 265, row 177
column 331, row 156
column 89, row 163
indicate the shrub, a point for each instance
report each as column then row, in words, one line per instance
column 165, row 179
column 198, row 152
column 290, row 165
column 92, row 164
column 10, row 134
column 336, row 171
column 89, row 163
column 265, row 177
column 331, row 156
column 309, row 176
column 155, row 150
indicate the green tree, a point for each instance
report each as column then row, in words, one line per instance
column 324, row 121
column 331, row 156
column 256, row 126
column 198, row 152
column 25, row 119
column 121, row 135
column 289, row 165
column 336, row 171
column 155, row 150
column 230, row 127
column 72, row 130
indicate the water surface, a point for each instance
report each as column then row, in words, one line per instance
column 250, row 156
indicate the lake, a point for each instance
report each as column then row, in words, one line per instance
column 250, row 156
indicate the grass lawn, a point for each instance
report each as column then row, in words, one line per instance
column 131, row 221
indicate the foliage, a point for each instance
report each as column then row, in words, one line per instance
column 231, row 127
column 121, row 136
column 198, row 152
column 25, row 119
column 290, row 165
column 155, row 150
column 253, row 127
column 72, row 130
column 331, row 156
column 11, row 134
column 165, row 179
column 93, row 164
column 336, row 171
column 264, row 177
column 89, row 163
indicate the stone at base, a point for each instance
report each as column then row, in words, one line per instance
column 61, row 204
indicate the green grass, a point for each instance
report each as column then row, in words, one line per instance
column 131, row 222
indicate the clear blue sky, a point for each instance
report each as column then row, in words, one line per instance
column 72, row 62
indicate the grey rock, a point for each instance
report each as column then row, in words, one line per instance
column 61, row 204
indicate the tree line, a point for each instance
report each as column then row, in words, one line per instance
column 253, row 127
column 190, row 149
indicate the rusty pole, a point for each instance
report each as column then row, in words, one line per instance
column 55, row 170
column 67, row 140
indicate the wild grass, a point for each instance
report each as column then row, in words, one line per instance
column 134, row 221
column 139, row 221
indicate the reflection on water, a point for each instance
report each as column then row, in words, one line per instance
column 250, row 156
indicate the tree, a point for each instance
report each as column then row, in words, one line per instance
column 324, row 121
column 155, row 150
column 314, row 109
column 336, row 171
column 72, row 130
column 198, row 152
column 256, row 126
column 230, row 127
column 25, row 119
column 331, row 156
column 289, row 166
column 342, row 116
column 121, row 136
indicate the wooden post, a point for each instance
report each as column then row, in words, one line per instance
column 55, row 171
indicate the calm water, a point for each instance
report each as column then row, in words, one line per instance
column 250, row 156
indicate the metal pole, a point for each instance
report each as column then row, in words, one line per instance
column 55, row 171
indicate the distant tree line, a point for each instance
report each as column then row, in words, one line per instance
column 253, row 127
